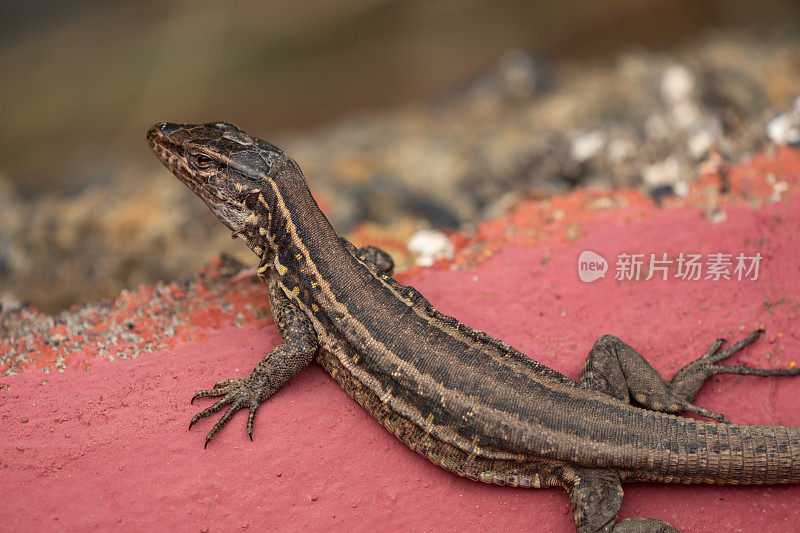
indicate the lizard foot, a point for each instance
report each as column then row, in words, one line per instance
column 595, row 498
column 688, row 380
column 616, row 369
column 239, row 394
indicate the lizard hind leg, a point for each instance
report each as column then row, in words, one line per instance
column 614, row 368
column 595, row 497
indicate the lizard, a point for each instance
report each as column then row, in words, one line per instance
column 466, row 401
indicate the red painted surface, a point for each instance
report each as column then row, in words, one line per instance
column 105, row 443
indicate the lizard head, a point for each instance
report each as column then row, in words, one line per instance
column 225, row 167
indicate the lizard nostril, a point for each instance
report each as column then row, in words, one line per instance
column 161, row 130
column 165, row 128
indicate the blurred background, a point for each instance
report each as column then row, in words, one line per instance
column 404, row 114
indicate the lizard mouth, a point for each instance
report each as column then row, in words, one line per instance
column 171, row 153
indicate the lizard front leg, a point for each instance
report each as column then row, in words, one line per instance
column 595, row 497
column 618, row 370
column 276, row 368
column 373, row 255
column 382, row 260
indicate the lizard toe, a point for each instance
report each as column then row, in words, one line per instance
column 210, row 392
column 208, row 410
column 238, row 394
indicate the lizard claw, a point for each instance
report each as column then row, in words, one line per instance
column 715, row 355
column 238, row 394
column 210, row 392
column 688, row 380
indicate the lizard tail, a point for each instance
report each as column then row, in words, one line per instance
column 726, row 454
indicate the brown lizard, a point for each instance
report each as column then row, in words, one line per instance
column 468, row 402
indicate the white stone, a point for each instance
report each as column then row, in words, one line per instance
column 588, row 145
column 700, row 143
column 667, row 172
column 677, row 84
column 620, row 149
column 430, row 246
column 785, row 128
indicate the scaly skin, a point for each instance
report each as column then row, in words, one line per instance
column 470, row 403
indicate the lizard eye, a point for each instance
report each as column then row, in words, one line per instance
column 202, row 161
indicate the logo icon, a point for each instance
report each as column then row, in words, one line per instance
column 591, row 266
